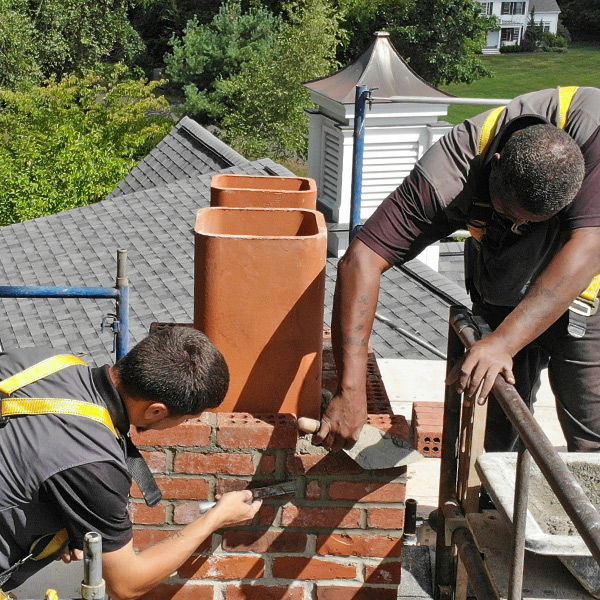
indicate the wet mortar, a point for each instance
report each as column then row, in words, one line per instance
column 545, row 507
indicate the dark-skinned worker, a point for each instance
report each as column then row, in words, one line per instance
column 66, row 470
column 525, row 180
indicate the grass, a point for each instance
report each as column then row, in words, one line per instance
column 515, row 74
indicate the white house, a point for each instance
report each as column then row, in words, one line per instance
column 513, row 18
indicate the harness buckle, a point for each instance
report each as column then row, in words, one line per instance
column 585, row 308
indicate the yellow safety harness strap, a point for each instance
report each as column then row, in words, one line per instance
column 38, row 371
column 565, row 97
column 12, row 407
column 488, row 131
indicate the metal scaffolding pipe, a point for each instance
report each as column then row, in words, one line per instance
column 448, row 100
column 567, row 489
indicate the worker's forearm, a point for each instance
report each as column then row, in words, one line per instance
column 567, row 275
column 135, row 575
column 355, row 303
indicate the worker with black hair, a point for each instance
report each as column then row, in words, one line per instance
column 66, row 459
column 525, row 180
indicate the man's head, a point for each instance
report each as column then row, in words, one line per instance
column 538, row 172
column 178, row 368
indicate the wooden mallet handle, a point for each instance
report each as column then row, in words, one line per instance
column 308, row 425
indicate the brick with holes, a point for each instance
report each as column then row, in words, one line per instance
column 427, row 422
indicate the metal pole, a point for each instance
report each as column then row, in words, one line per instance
column 122, row 345
column 445, row 100
column 569, row 492
column 92, row 586
column 515, row 577
column 358, row 150
column 44, row 291
column 444, row 559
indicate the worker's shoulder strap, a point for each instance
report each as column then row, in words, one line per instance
column 11, row 406
column 34, row 373
column 490, row 125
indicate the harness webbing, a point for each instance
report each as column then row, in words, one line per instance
column 10, row 406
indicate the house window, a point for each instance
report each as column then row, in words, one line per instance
column 510, row 34
column 487, row 8
column 546, row 26
column 513, row 8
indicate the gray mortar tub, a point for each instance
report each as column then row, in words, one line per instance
column 548, row 529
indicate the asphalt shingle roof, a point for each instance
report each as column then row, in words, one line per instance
column 155, row 225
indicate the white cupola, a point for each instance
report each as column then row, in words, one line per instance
column 396, row 133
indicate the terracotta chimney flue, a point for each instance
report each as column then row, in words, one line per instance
column 259, row 296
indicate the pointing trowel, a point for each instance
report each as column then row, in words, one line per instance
column 374, row 448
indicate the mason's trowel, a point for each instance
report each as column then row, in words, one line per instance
column 374, row 448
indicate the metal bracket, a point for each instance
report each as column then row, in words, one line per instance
column 110, row 321
column 452, row 524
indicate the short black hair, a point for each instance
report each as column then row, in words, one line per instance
column 178, row 366
column 541, row 168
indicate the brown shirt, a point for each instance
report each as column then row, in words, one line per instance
column 434, row 199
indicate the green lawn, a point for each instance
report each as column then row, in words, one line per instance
column 515, row 74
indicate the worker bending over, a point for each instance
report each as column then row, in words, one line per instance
column 525, row 180
column 68, row 469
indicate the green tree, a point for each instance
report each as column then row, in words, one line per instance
column 444, row 40
column 18, row 58
column 57, row 37
column 208, row 54
column 440, row 39
column 582, row 19
column 70, row 142
column 263, row 106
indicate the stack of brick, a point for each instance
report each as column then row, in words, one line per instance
column 338, row 538
column 427, row 423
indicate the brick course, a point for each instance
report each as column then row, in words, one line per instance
column 338, row 538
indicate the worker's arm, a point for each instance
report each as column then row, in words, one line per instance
column 129, row 575
column 354, row 305
column 567, row 275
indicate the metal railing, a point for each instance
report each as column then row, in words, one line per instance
column 118, row 322
column 463, row 333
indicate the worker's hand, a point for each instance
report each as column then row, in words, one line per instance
column 341, row 422
column 69, row 554
column 479, row 368
column 233, row 508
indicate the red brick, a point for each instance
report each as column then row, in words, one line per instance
column 385, row 518
column 427, row 423
column 395, row 425
column 186, row 512
column 243, row 430
column 296, row 567
column 235, row 540
column 333, row 517
column 267, row 464
column 183, row 488
column 365, row 592
column 146, row 515
column 322, row 464
column 223, row 566
column 195, row 432
column 156, row 460
column 388, row 572
column 266, row 515
column 216, row 462
column 179, row 591
column 367, row 491
column 246, row 591
column 143, row 538
column 231, row 485
column 313, row 490
column 345, row 544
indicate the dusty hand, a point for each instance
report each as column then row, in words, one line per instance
column 234, row 507
column 480, row 366
column 68, row 554
column 341, row 423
